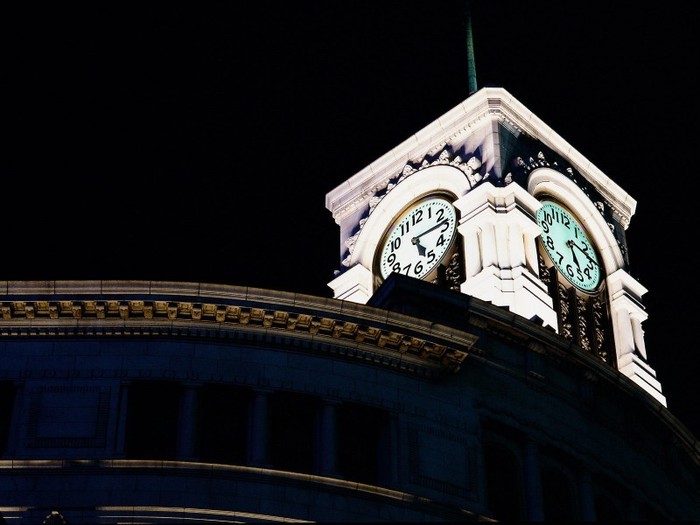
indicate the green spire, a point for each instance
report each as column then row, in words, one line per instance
column 471, row 65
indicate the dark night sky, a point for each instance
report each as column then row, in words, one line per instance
column 197, row 142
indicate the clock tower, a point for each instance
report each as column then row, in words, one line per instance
column 490, row 202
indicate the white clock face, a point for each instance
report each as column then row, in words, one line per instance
column 421, row 238
column 568, row 246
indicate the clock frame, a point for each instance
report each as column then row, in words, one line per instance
column 568, row 246
column 420, row 239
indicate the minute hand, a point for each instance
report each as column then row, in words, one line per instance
column 584, row 252
column 414, row 240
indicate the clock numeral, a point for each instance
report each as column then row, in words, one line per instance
column 418, row 268
column 391, row 259
column 405, row 228
column 431, row 256
column 578, row 274
column 417, row 217
column 561, row 219
column 396, row 243
column 440, row 214
column 549, row 242
column 440, row 241
column 548, row 219
column 570, row 271
column 564, row 221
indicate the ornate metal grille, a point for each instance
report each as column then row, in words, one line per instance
column 583, row 318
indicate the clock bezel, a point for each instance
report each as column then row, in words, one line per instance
column 595, row 289
column 405, row 211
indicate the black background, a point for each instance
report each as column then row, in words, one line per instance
column 196, row 142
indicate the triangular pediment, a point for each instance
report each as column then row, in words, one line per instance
column 506, row 138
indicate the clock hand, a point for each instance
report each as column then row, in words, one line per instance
column 570, row 244
column 584, row 252
column 414, row 240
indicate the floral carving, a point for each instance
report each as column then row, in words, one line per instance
column 470, row 168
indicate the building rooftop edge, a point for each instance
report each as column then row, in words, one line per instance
column 114, row 308
column 495, row 102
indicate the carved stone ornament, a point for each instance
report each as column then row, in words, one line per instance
column 604, row 207
column 470, row 168
column 140, row 318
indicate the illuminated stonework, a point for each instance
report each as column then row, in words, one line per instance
column 138, row 401
column 199, row 319
column 520, row 162
column 470, row 168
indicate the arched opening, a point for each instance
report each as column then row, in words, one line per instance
column 504, row 496
column 152, row 420
column 557, row 495
column 224, row 424
column 606, row 509
column 293, row 431
column 363, row 448
column 7, row 399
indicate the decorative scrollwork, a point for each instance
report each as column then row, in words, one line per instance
column 453, row 273
column 582, row 317
column 565, row 314
column 470, row 168
column 545, row 277
column 599, row 330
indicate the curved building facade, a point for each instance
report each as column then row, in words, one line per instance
column 154, row 402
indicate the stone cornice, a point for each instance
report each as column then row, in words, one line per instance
column 143, row 309
column 254, row 316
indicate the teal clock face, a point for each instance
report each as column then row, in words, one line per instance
column 568, row 246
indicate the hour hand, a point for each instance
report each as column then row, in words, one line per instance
column 421, row 248
column 573, row 253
